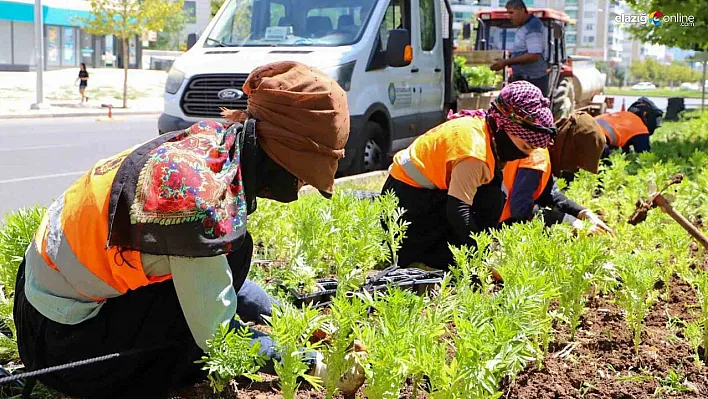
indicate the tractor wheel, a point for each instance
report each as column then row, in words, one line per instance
column 563, row 99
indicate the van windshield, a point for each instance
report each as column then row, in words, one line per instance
column 290, row 23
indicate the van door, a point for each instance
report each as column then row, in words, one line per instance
column 428, row 76
column 401, row 95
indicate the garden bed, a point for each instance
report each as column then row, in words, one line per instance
column 576, row 317
column 603, row 363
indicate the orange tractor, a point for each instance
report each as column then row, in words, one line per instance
column 574, row 81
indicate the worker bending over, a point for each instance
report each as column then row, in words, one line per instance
column 630, row 128
column 532, row 188
column 449, row 179
column 148, row 252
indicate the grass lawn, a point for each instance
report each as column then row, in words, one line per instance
column 653, row 93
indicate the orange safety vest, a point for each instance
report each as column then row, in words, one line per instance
column 72, row 240
column 428, row 161
column 540, row 160
column 620, row 127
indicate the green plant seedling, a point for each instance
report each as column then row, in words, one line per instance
column 346, row 312
column 389, row 340
column 576, row 277
column 700, row 282
column 291, row 330
column 694, row 332
column 639, row 275
column 673, row 383
column 232, row 354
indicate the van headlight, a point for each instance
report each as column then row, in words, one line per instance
column 342, row 74
column 174, row 80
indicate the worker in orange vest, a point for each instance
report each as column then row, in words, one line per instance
column 147, row 254
column 532, row 187
column 449, row 180
column 632, row 127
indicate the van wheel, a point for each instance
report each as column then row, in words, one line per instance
column 370, row 155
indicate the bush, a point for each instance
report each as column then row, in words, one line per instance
column 16, row 233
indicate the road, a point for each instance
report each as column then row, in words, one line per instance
column 40, row 158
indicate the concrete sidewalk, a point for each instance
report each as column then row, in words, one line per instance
column 62, row 98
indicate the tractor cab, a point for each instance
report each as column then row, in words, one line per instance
column 495, row 37
column 495, row 32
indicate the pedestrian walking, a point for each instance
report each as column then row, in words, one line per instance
column 83, row 82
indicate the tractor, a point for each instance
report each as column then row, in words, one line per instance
column 574, row 81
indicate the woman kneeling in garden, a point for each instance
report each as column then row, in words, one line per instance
column 531, row 184
column 147, row 254
column 449, row 180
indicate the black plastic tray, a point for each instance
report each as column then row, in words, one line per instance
column 416, row 280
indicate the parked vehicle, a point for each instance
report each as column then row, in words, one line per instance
column 644, row 86
column 363, row 44
column 690, row 86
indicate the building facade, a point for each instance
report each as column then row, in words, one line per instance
column 66, row 44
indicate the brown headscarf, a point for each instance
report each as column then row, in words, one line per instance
column 302, row 119
column 578, row 145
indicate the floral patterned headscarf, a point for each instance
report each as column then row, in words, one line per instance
column 184, row 194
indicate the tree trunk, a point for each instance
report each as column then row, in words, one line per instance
column 125, row 72
column 703, row 86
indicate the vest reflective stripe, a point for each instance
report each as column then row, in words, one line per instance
column 609, row 132
column 540, row 160
column 428, row 161
column 412, row 171
column 72, row 241
column 620, row 127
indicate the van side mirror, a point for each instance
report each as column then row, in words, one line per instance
column 191, row 40
column 466, row 30
column 399, row 52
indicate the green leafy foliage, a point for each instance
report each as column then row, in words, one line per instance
column 316, row 237
column 291, row 330
column 231, row 354
column 700, row 282
column 389, row 339
column 345, row 314
column 125, row 19
column 476, row 76
column 469, row 335
column 672, row 34
column 16, row 233
column 694, row 334
column 637, row 294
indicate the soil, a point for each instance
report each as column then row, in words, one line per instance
column 602, row 363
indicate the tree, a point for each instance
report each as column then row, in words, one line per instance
column 661, row 74
column 673, row 34
column 215, row 6
column 129, row 18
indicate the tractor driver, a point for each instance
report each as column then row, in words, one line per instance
column 526, row 60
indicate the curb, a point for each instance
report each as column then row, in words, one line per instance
column 78, row 115
column 347, row 179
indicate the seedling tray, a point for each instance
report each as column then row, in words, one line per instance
column 416, row 280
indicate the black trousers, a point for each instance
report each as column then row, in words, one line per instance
column 429, row 232
column 146, row 318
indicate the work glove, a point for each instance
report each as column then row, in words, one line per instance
column 598, row 226
column 353, row 378
column 574, row 222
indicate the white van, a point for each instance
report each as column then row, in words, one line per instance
column 364, row 44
